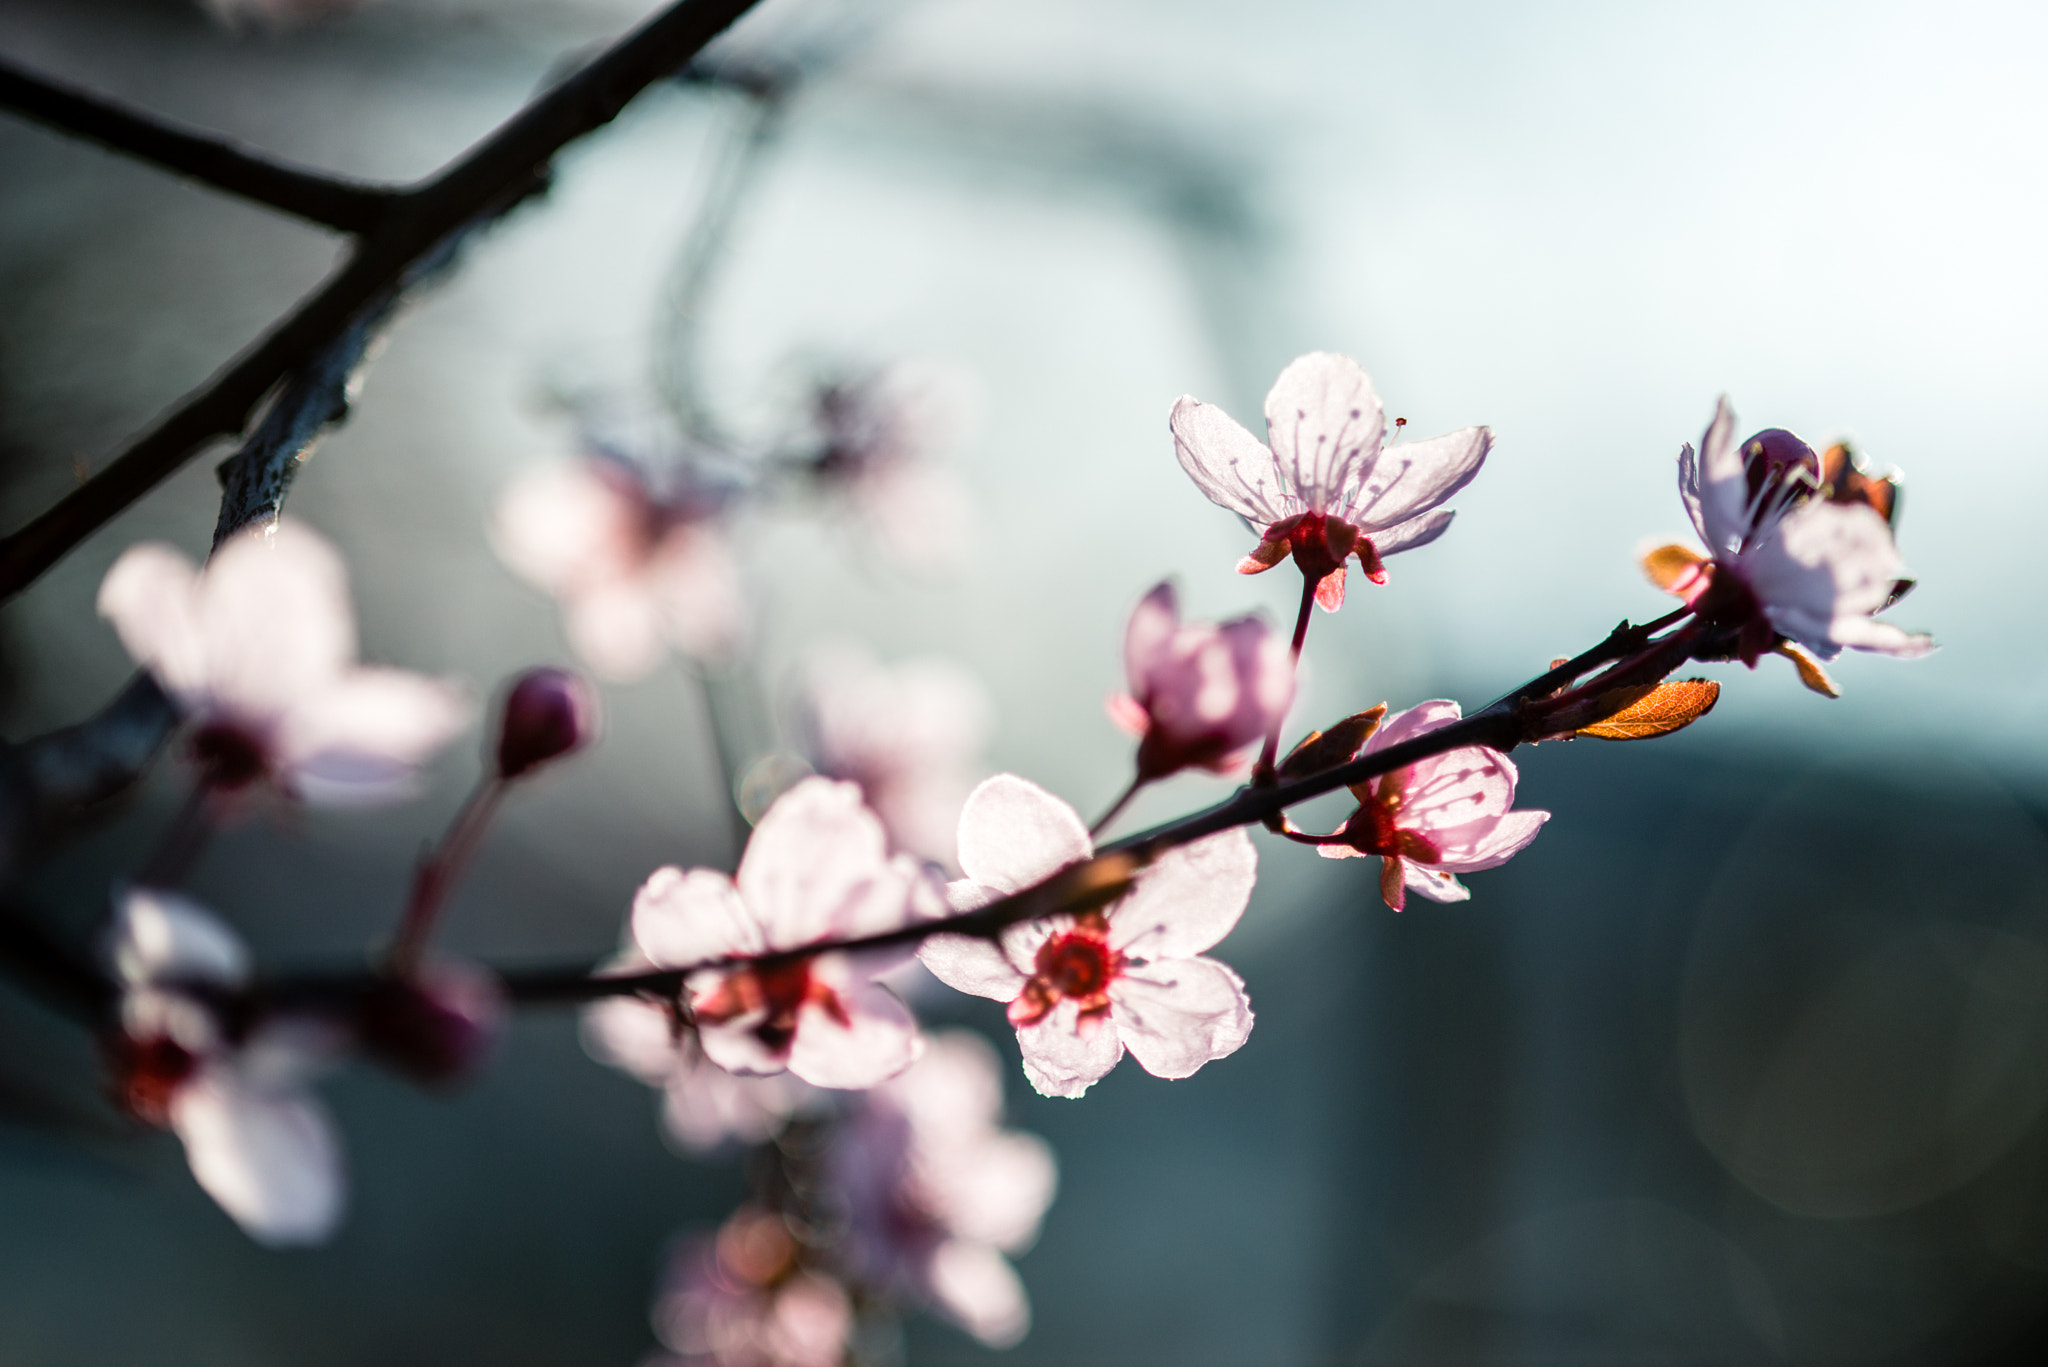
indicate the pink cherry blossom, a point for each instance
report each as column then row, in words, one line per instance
column 816, row 868
column 745, row 1299
column 1438, row 817
column 908, row 734
column 1787, row 559
column 259, row 1142
column 1323, row 486
column 258, row 651
column 1084, row 988
column 704, row 1108
column 1200, row 692
column 935, row 1192
column 635, row 571
column 880, row 439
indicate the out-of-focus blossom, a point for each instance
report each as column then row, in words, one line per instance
column 258, row 651
column 936, row 1192
column 277, row 13
column 1084, row 988
column 1200, row 692
column 817, row 868
column 1799, row 558
column 436, row 1024
column 548, row 713
column 1323, row 487
column 636, row 569
column 704, row 1107
column 908, row 734
column 258, row 1140
column 745, row 1299
column 1438, row 817
column 880, row 438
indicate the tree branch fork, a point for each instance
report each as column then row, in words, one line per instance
column 393, row 231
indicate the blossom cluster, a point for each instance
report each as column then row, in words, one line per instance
column 769, row 1004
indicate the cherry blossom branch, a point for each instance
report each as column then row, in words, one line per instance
column 316, row 196
column 415, row 224
column 1633, row 653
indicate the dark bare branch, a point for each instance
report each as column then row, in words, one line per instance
column 421, row 223
column 318, row 197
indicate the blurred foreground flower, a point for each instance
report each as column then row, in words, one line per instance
column 1793, row 565
column 745, row 1299
column 1084, row 988
column 1200, row 692
column 1326, row 489
column 908, row 734
column 258, row 651
column 816, row 868
column 880, row 437
column 703, row 1106
column 935, row 1191
column 635, row 570
column 1432, row 820
column 259, row 1142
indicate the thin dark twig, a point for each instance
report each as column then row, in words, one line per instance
column 419, row 223
column 1262, row 772
column 316, row 196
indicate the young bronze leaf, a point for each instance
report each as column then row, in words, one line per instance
column 1658, row 711
column 1322, row 750
column 1810, row 672
column 1672, row 568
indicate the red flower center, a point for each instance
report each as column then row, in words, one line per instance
column 1375, row 828
column 780, row 991
column 1074, row 965
column 148, row 1073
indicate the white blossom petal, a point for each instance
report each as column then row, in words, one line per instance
column 269, row 1158
column 1178, row 1014
column 1719, row 499
column 977, row 1289
column 970, row 964
column 1188, row 899
column 1064, row 1056
column 160, row 936
column 275, row 619
column 817, row 866
column 634, row 1035
column 1434, row 884
column 1014, row 833
column 998, row 1189
column 362, row 737
column 682, row 918
column 150, row 597
column 1325, row 425
column 1412, row 478
column 1232, row 468
column 1416, row 531
column 1490, row 842
column 877, row 1039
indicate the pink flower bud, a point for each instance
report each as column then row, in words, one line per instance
column 549, row 713
column 1200, row 692
column 435, row 1026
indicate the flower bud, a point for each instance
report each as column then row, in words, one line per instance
column 436, row 1025
column 1775, row 457
column 549, row 713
